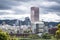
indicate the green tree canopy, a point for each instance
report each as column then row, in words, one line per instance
column 58, row 25
column 58, row 31
column 33, row 36
column 4, row 35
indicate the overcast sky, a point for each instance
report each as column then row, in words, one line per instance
column 19, row 9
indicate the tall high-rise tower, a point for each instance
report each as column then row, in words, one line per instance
column 37, row 26
column 34, row 14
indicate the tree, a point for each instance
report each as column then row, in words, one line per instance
column 0, row 30
column 58, row 32
column 59, row 26
column 53, row 31
column 4, row 35
column 46, row 36
column 33, row 36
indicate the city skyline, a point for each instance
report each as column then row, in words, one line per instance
column 14, row 9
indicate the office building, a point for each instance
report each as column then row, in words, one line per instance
column 37, row 26
column 34, row 14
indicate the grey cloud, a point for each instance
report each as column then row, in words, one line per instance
column 53, row 8
column 6, row 4
column 52, row 0
column 25, row 0
column 2, row 7
column 19, row 12
column 58, row 1
column 3, row 13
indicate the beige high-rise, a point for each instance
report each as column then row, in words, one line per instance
column 34, row 14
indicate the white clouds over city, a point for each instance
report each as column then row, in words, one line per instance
column 19, row 9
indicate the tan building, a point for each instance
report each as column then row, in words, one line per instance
column 34, row 14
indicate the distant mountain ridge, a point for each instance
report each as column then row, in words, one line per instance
column 15, row 22
column 26, row 22
column 49, row 24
